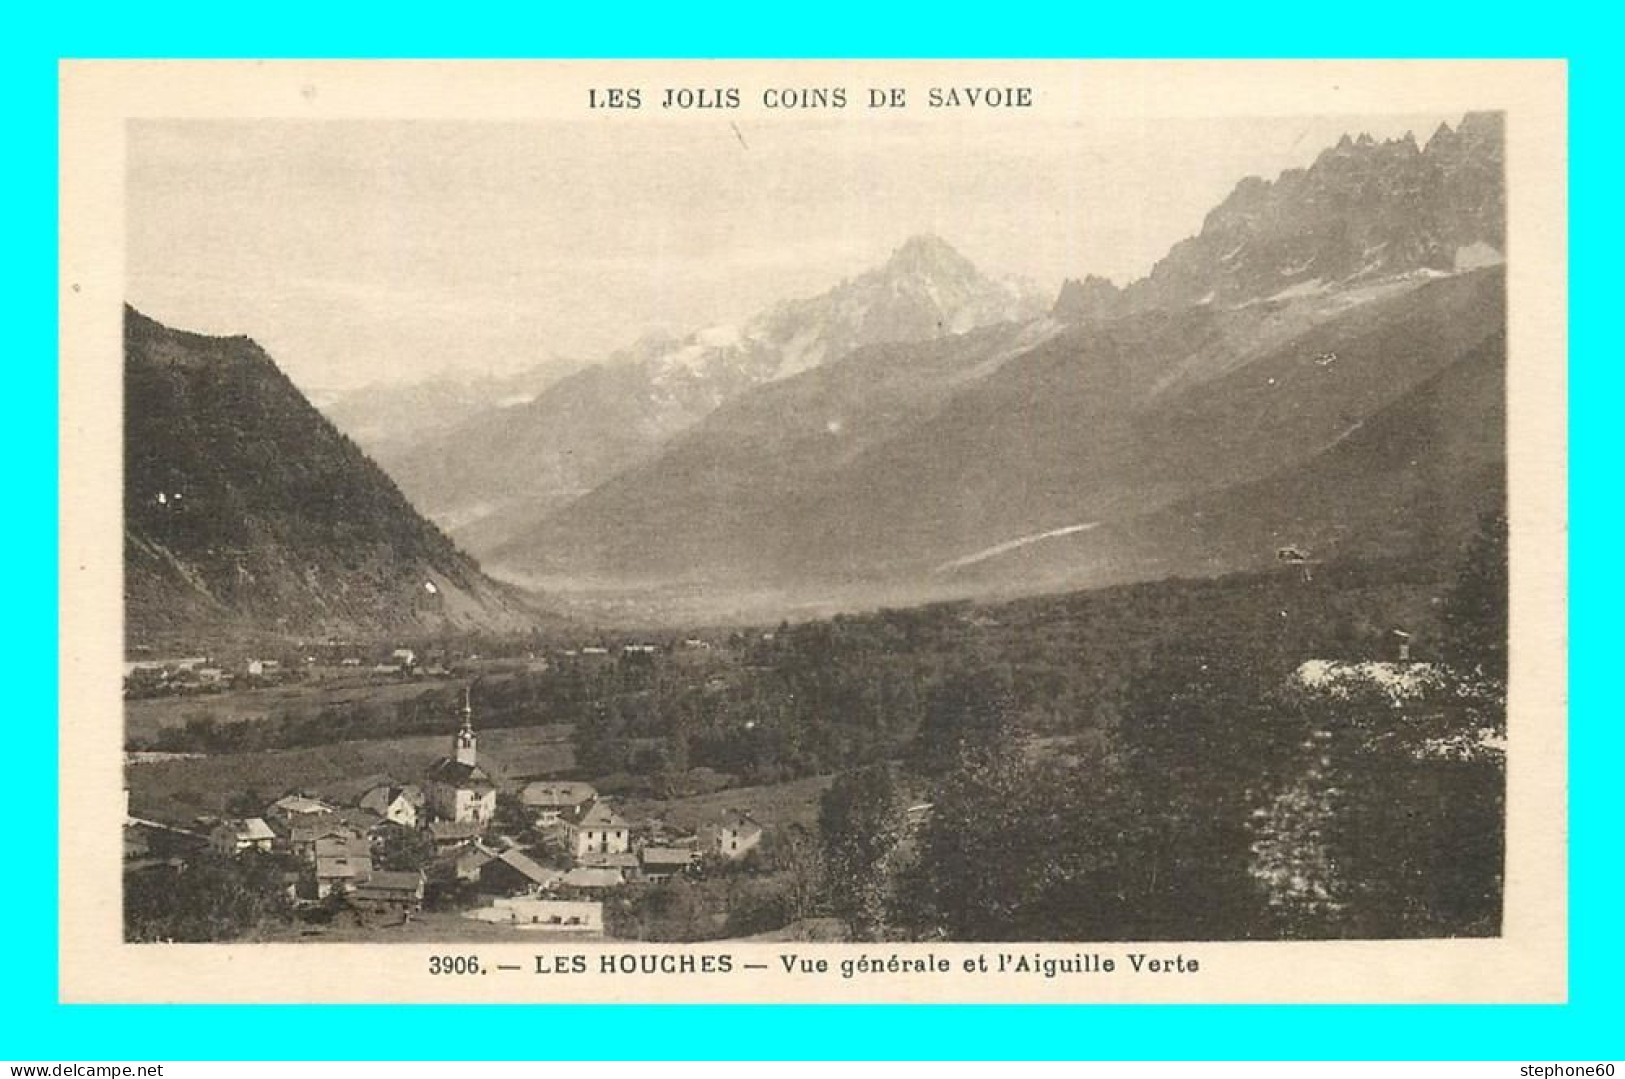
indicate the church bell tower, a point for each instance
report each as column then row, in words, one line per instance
column 462, row 747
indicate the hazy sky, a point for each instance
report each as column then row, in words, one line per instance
column 359, row 252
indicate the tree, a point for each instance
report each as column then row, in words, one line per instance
column 1475, row 609
column 1018, row 849
column 796, row 852
column 1202, row 742
column 512, row 816
column 971, row 709
column 208, row 898
column 404, row 849
column 246, row 803
column 860, row 820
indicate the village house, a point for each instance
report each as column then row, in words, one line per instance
column 237, row 835
column 453, row 833
column 389, row 892
column 555, row 800
column 296, row 806
column 734, row 836
column 462, row 863
column 512, row 872
column 303, row 835
column 585, row 917
column 624, row 861
column 458, row 789
column 398, row 804
column 597, row 829
column 660, row 863
column 340, row 863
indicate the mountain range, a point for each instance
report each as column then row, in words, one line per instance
column 247, row 512
column 388, row 419
column 1364, row 210
column 1320, row 368
column 502, row 470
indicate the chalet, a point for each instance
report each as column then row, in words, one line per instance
column 556, row 800
column 361, row 821
column 659, row 863
column 464, row 863
column 399, row 804
column 388, row 892
column 458, row 789
column 453, row 833
column 340, row 863
column 512, row 872
column 303, row 835
column 235, row 836
column 734, row 836
column 597, row 829
column 296, row 806
column 575, row 916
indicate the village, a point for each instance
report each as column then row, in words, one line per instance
column 541, row 857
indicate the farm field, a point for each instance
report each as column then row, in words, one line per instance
column 773, row 806
column 145, row 717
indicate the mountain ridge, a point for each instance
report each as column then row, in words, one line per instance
column 500, row 472
column 1362, row 210
column 247, row 511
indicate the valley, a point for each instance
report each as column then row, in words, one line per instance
column 925, row 607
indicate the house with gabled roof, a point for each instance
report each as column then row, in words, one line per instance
column 554, row 800
column 236, row 835
column 513, row 872
column 597, row 829
column 340, row 863
column 296, row 806
column 303, row 835
column 734, row 836
column 453, row 833
column 659, row 863
column 401, row 804
column 388, row 891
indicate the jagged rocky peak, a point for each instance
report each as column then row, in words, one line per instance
column 929, row 255
column 1364, row 210
column 1092, row 298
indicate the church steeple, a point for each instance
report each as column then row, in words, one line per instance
column 463, row 747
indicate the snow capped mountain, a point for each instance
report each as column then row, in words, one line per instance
column 926, row 289
column 501, row 468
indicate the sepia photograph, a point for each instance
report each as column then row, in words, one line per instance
column 793, row 509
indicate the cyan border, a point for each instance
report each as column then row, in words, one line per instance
column 33, row 1025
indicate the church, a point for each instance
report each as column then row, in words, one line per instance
column 458, row 789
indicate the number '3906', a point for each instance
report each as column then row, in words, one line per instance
column 454, row 964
